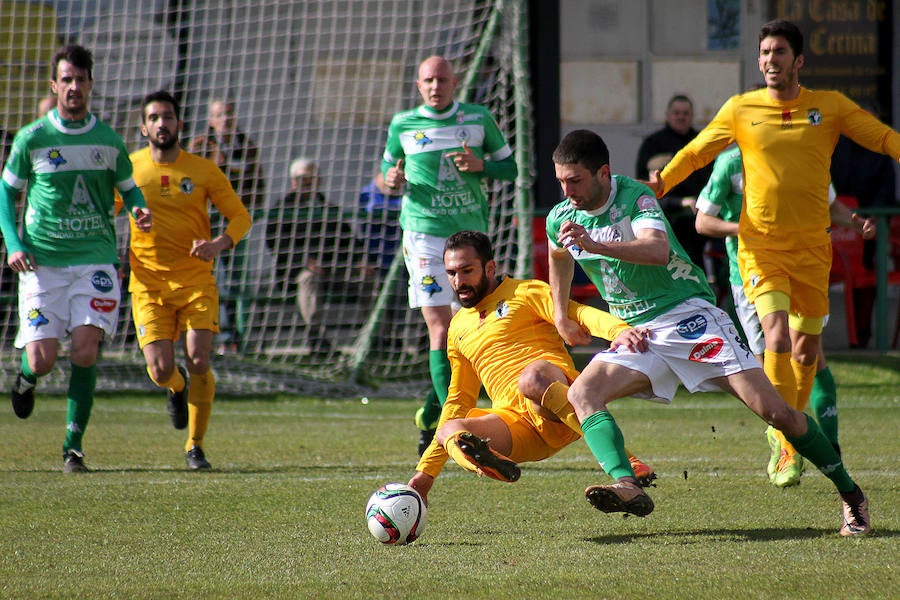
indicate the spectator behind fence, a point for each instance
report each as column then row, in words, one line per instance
column 315, row 249
column 238, row 157
column 45, row 105
column 380, row 227
column 656, row 150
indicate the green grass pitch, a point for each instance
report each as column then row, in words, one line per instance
column 281, row 514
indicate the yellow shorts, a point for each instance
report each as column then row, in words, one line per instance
column 164, row 314
column 800, row 274
column 533, row 437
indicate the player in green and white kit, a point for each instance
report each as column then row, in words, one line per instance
column 440, row 151
column 718, row 214
column 615, row 229
column 71, row 164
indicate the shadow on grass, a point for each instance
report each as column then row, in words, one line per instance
column 766, row 534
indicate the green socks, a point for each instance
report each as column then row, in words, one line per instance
column 82, row 382
column 814, row 446
column 27, row 373
column 439, row 366
column 823, row 402
column 427, row 416
column 605, row 440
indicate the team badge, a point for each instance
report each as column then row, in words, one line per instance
column 647, row 203
column 502, row 309
column 430, row 285
column 186, row 185
column 460, row 117
column 54, row 155
column 36, row 318
column 421, row 138
column 814, row 116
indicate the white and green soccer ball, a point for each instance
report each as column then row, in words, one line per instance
column 395, row 514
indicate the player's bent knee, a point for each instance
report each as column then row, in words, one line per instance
column 534, row 380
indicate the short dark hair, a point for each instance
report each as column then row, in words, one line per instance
column 679, row 98
column 582, row 147
column 79, row 56
column 160, row 96
column 785, row 29
column 473, row 239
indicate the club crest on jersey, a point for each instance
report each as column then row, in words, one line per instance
column 54, row 155
column 692, row 327
column 647, row 203
column 814, row 116
column 36, row 318
column 430, row 285
column 502, row 309
column 421, row 138
column 102, row 282
column 186, row 185
column 460, row 117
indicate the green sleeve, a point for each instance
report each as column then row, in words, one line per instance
column 505, row 169
column 133, row 198
column 8, row 219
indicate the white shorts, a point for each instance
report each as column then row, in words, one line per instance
column 428, row 281
column 691, row 344
column 746, row 314
column 55, row 300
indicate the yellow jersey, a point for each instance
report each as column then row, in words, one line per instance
column 491, row 344
column 786, row 148
column 178, row 196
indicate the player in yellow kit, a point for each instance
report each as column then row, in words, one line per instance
column 504, row 338
column 173, row 289
column 786, row 134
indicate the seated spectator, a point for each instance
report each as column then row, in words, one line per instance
column 315, row 249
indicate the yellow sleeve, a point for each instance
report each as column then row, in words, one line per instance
column 598, row 322
column 866, row 130
column 229, row 205
column 462, row 396
column 703, row 149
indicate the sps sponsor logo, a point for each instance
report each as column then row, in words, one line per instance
column 102, row 282
column 707, row 350
column 692, row 327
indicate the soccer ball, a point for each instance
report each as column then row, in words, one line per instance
column 395, row 514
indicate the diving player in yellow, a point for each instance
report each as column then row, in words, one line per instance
column 786, row 134
column 504, row 338
column 173, row 289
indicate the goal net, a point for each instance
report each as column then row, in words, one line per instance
column 315, row 79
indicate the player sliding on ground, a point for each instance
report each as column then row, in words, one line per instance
column 505, row 334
